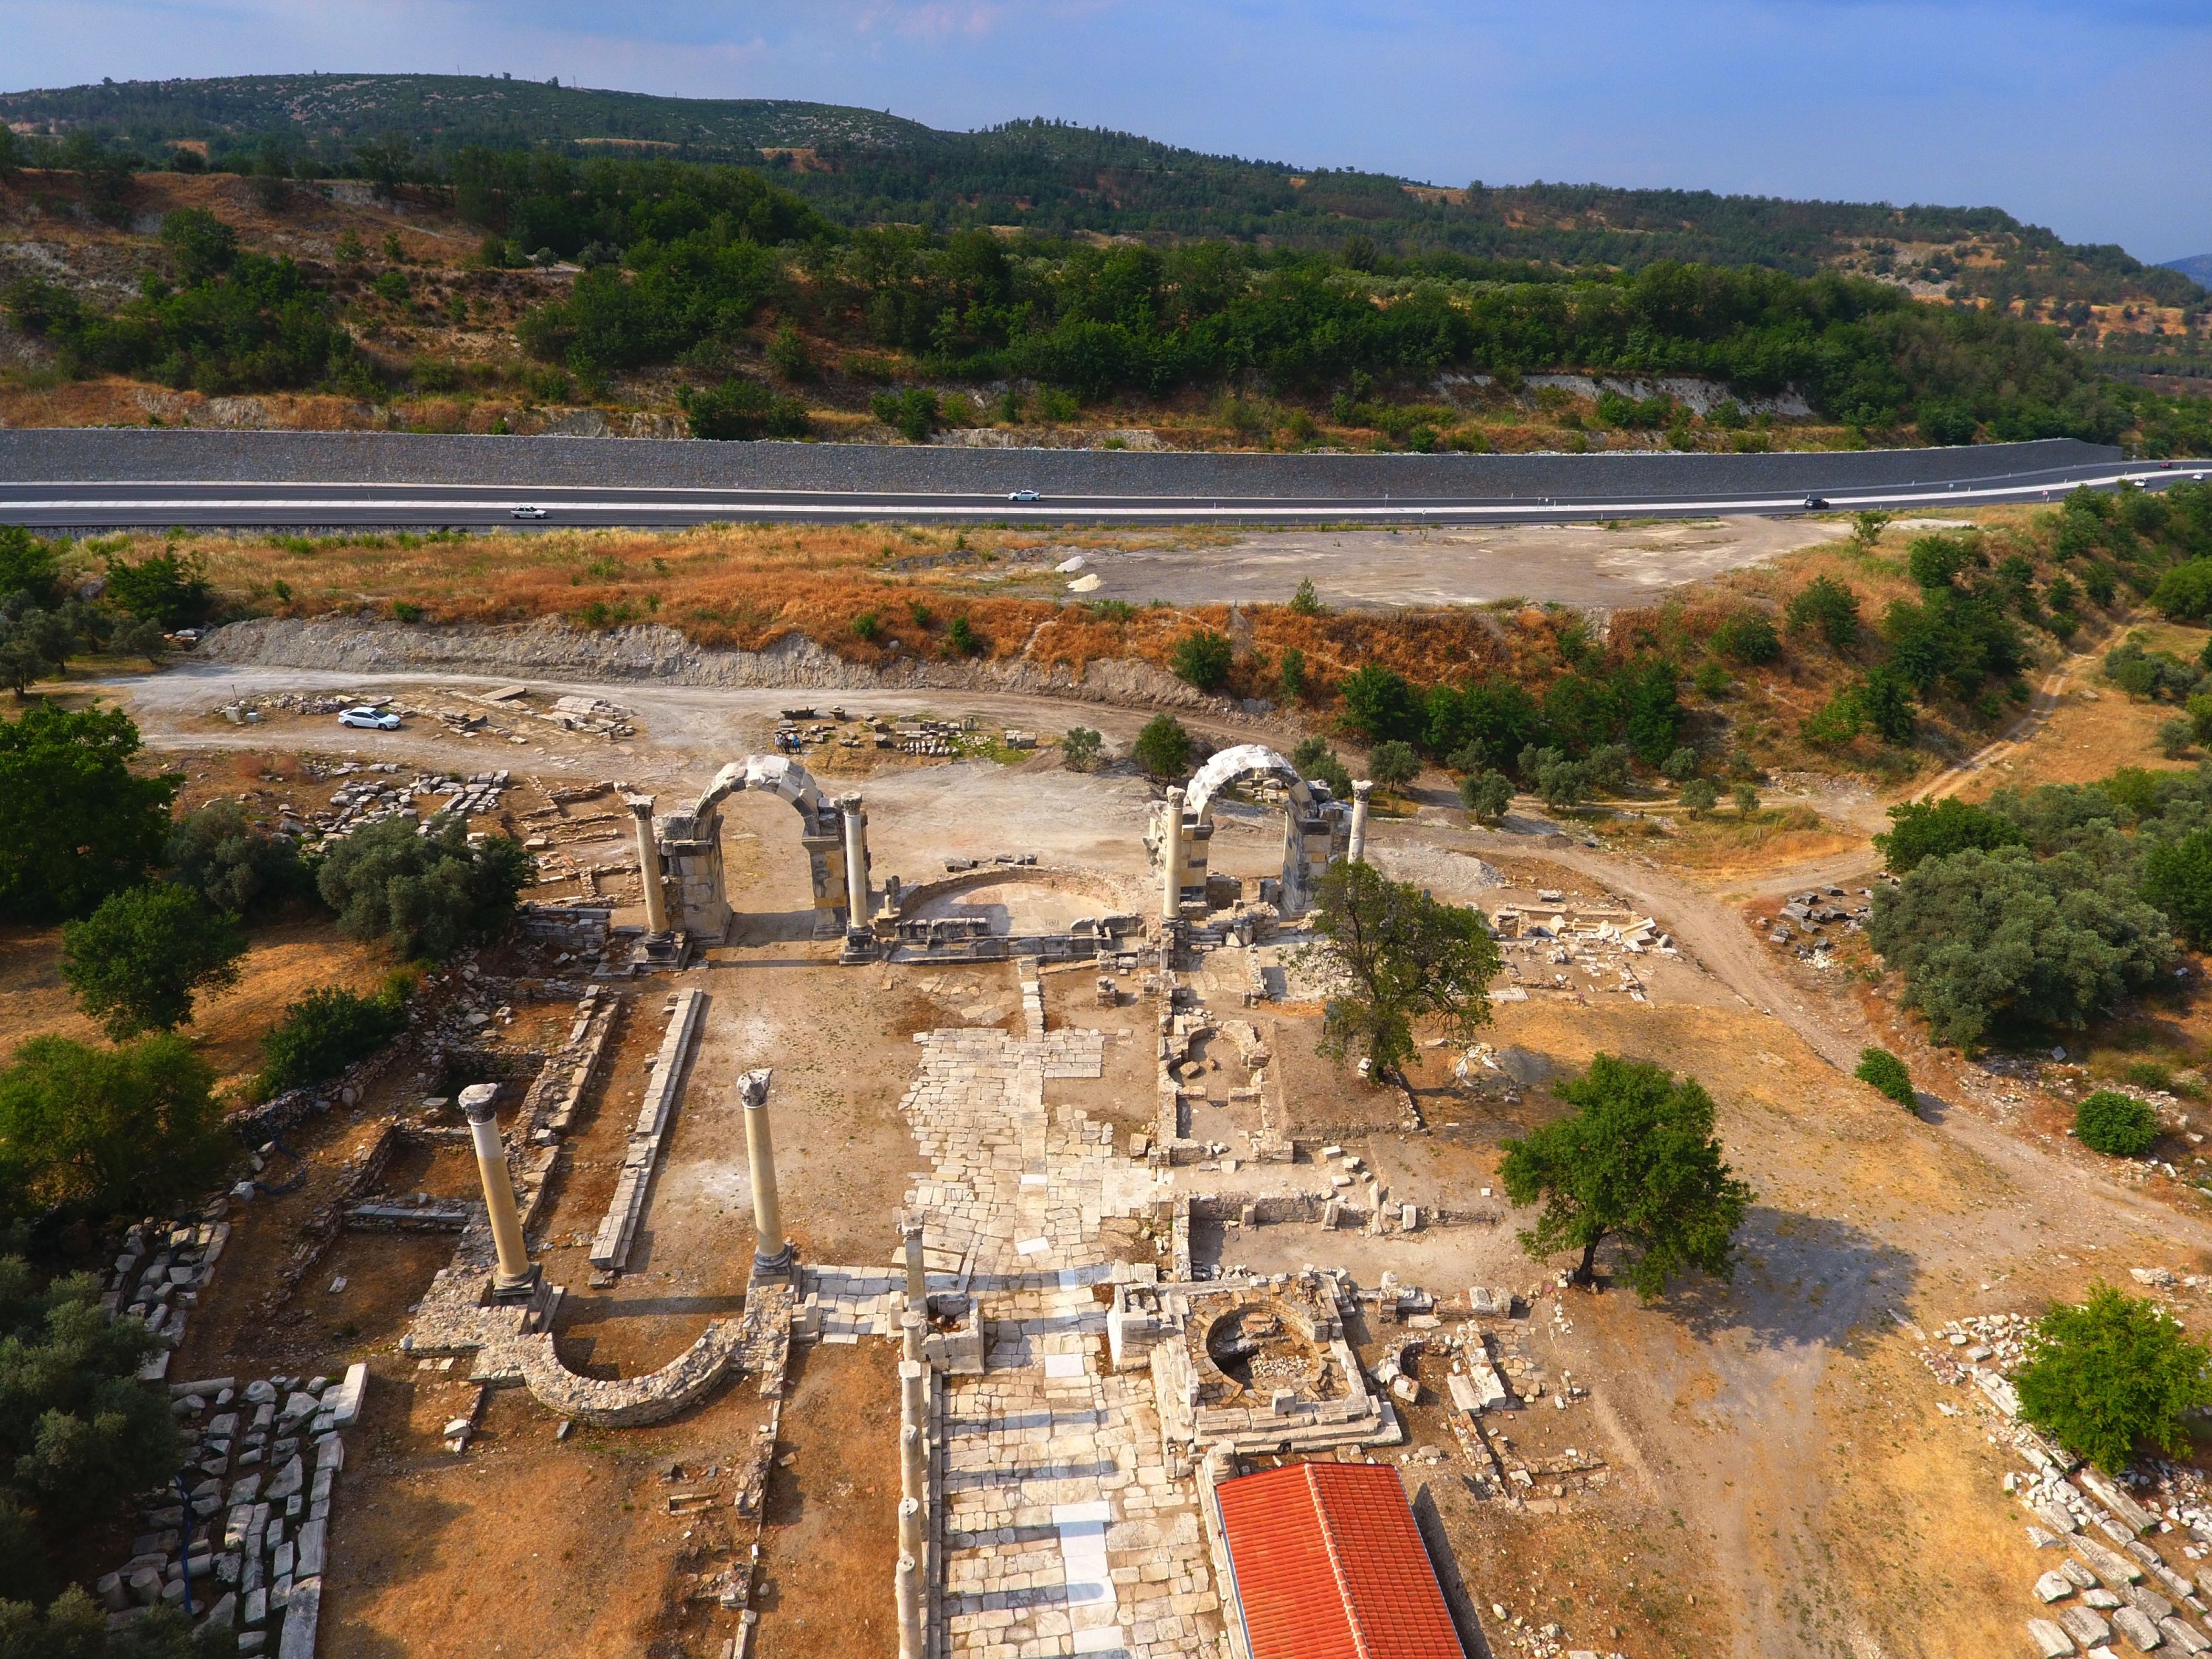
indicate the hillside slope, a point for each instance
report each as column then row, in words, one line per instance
column 861, row 166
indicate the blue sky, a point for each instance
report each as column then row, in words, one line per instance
column 2094, row 119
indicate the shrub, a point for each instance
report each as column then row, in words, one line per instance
column 1937, row 560
column 2117, row 1125
column 1394, row 764
column 1202, row 660
column 1923, row 830
column 76, row 823
column 1293, row 677
column 1487, row 796
column 101, row 1132
column 1608, row 767
column 27, row 567
column 1162, row 748
column 1081, row 748
column 915, row 412
column 1313, row 758
column 2174, row 737
column 136, row 962
column 425, row 895
column 1885, row 1074
column 324, row 1032
column 1999, row 939
column 1700, row 796
column 1306, row 602
column 2112, row 1373
column 868, row 626
column 1745, row 797
column 1682, row 765
column 1826, row 607
column 742, row 410
column 2178, row 879
column 1748, row 637
column 963, row 638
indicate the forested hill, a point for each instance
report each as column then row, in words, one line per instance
column 859, row 166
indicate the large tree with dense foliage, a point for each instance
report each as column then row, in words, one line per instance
column 424, row 895
column 2001, row 938
column 1933, row 829
column 100, row 1132
column 79, row 1434
column 2112, row 1373
column 1638, row 1161
column 1404, row 957
column 77, row 823
column 136, row 962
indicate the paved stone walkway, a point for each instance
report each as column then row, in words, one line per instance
column 1064, row 1531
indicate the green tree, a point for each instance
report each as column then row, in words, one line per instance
column 2178, row 879
column 1162, row 748
column 220, row 854
column 1394, row 764
column 1936, row 561
column 963, row 638
column 1407, row 957
column 2174, row 737
column 1380, row 703
column 1826, row 607
column 1203, row 660
column 1867, row 528
column 1313, row 758
column 2111, row 1374
column 2117, row 1125
column 788, row 357
column 1999, row 939
column 1294, row 677
column 1487, row 796
column 76, row 823
column 201, row 247
column 324, row 1032
column 1638, row 1161
column 1700, row 796
column 98, row 1132
column 425, row 895
column 1081, row 748
column 1746, row 799
column 166, row 587
column 1682, row 765
column 1885, row 1074
column 137, row 961
column 80, row 1436
column 28, row 569
column 75, row 1626
column 1935, row 829
column 1306, row 602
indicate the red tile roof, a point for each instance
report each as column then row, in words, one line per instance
column 1329, row 1565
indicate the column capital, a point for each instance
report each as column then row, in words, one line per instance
column 752, row 1088
column 640, row 804
column 1361, row 788
column 848, row 804
column 476, row 1102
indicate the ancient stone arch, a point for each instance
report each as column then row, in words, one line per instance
column 1314, row 827
column 691, row 847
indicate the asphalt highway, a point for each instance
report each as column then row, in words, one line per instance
column 112, row 504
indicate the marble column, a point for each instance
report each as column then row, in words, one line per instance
column 1171, row 859
column 648, row 864
column 514, row 1273
column 771, row 1250
column 1357, row 851
column 856, row 861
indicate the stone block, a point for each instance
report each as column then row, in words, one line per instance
column 2050, row 1642
column 2085, row 1626
column 302, row 1608
column 2141, row 1634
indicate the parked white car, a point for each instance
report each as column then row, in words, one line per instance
column 372, row 719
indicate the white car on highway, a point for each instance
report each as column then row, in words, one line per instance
column 526, row 513
column 372, row 719
column 1024, row 495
